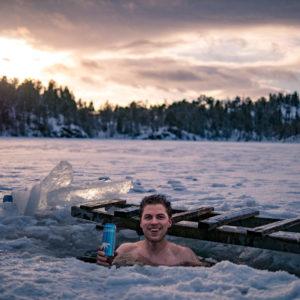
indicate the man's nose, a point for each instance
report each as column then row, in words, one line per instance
column 154, row 220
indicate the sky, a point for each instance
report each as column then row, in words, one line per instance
column 153, row 51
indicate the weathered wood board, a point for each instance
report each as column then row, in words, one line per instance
column 275, row 226
column 104, row 203
column 216, row 221
column 241, row 227
column 190, row 214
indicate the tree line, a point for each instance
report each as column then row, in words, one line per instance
column 29, row 109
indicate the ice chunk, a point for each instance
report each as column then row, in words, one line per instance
column 34, row 199
column 60, row 176
column 56, row 190
column 20, row 198
column 87, row 192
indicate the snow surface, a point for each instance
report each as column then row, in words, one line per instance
column 37, row 252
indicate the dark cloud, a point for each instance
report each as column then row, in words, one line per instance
column 91, row 65
column 58, row 69
column 88, row 80
column 146, row 46
column 168, row 74
column 105, row 23
column 175, row 76
column 282, row 73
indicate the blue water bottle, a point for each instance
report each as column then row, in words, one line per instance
column 109, row 239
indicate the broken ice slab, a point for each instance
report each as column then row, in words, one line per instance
column 34, row 200
column 20, row 198
column 55, row 190
column 60, row 176
column 87, row 192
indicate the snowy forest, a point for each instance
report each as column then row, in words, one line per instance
column 30, row 109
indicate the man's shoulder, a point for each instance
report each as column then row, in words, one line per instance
column 128, row 247
column 127, row 254
column 185, row 255
column 179, row 248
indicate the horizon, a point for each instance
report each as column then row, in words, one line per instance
column 125, row 51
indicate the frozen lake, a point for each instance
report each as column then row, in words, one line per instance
column 37, row 252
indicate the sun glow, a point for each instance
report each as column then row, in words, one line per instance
column 20, row 60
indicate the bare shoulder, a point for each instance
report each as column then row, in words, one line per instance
column 178, row 249
column 185, row 255
column 126, row 248
column 126, row 254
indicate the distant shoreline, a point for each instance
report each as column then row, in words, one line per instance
column 290, row 140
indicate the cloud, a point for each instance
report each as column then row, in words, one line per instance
column 156, row 49
column 174, row 76
column 91, row 65
column 169, row 75
column 104, row 23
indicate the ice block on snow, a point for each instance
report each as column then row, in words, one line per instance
column 87, row 192
column 56, row 190
column 60, row 176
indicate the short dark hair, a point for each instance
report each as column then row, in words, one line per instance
column 156, row 199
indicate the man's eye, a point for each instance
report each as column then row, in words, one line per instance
column 147, row 217
column 161, row 217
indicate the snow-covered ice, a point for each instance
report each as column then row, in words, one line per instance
column 38, row 249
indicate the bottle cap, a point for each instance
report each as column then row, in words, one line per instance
column 7, row 198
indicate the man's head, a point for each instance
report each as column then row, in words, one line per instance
column 156, row 199
column 156, row 219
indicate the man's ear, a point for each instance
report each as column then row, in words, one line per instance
column 170, row 222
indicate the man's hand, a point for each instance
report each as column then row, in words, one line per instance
column 102, row 259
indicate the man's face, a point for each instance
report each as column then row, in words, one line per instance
column 155, row 222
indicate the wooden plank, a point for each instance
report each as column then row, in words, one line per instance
column 235, row 235
column 286, row 236
column 276, row 226
column 258, row 221
column 104, row 203
column 233, row 229
column 288, row 242
column 127, row 212
column 102, row 217
column 214, row 222
column 177, row 210
column 190, row 214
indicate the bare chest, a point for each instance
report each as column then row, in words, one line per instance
column 165, row 259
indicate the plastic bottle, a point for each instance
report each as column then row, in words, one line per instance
column 9, row 207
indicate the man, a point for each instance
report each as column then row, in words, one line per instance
column 155, row 249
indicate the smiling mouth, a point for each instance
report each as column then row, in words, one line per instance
column 154, row 229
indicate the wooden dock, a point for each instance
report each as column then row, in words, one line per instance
column 242, row 227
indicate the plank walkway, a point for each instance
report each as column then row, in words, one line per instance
column 240, row 227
